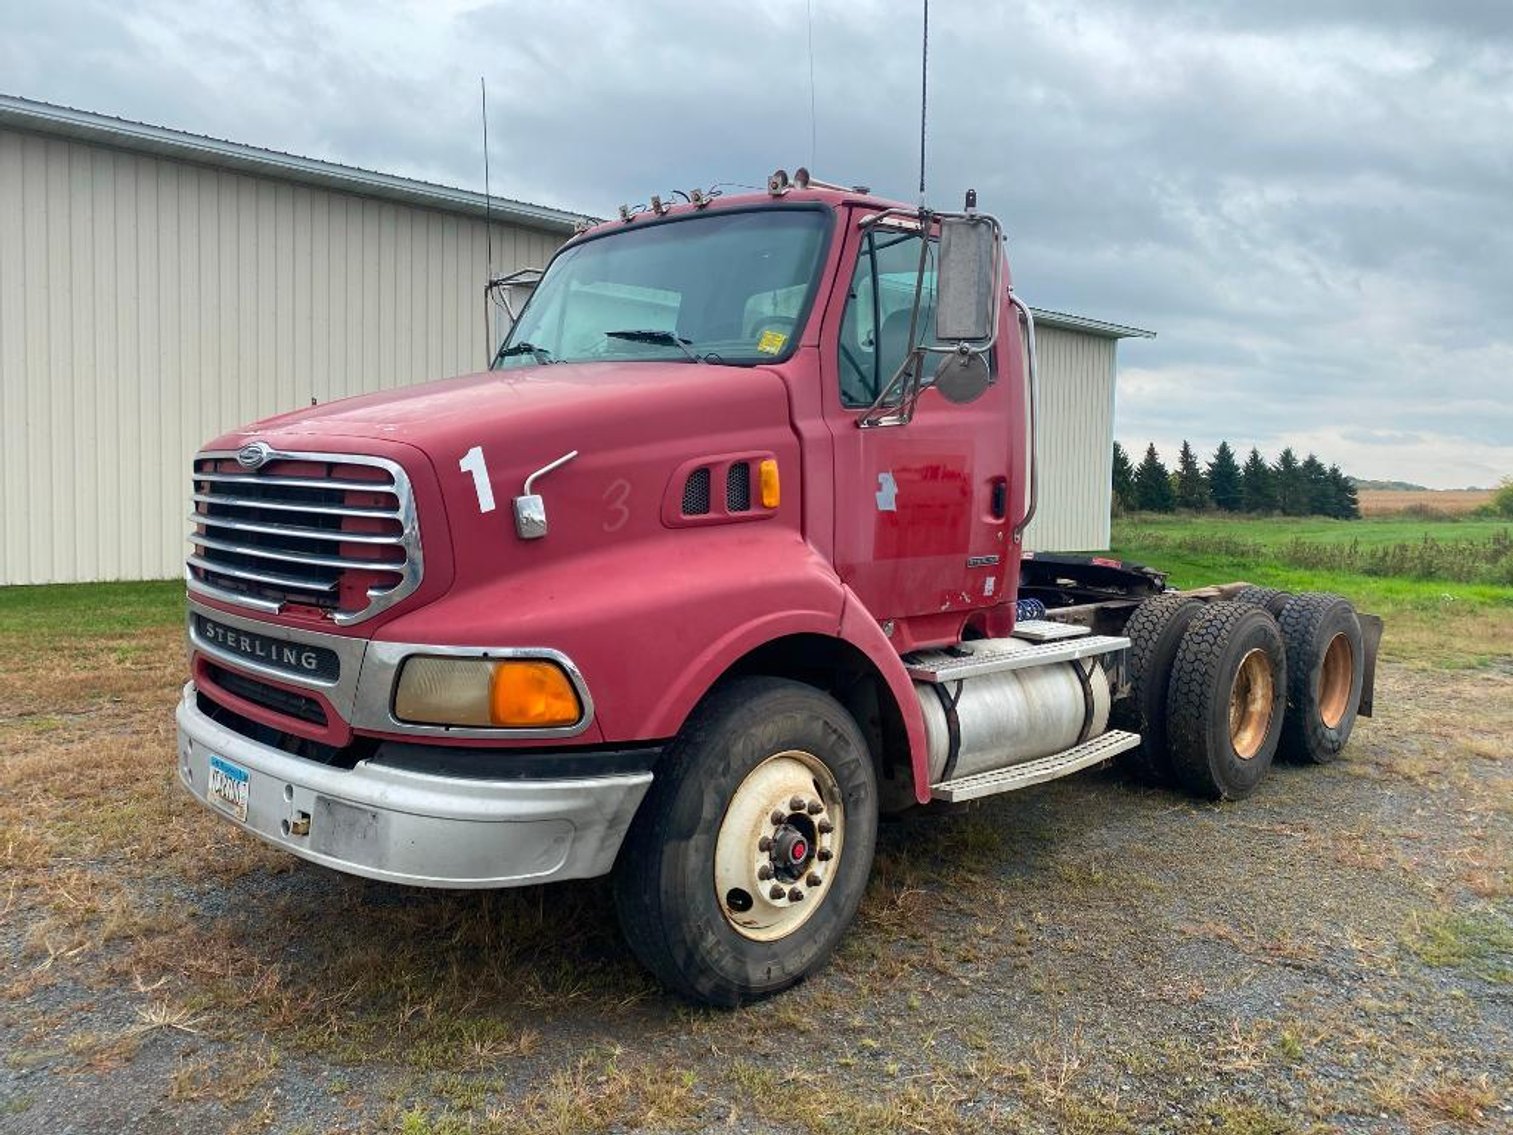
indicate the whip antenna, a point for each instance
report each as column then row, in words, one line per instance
column 812, row 129
column 924, row 92
column 488, row 223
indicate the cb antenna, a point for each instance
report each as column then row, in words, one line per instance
column 924, row 93
column 488, row 222
column 812, row 129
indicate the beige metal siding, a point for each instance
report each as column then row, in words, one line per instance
column 1076, row 446
column 147, row 304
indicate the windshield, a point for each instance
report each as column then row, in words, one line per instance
column 716, row 287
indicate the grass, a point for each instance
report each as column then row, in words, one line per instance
column 72, row 610
column 1391, row 566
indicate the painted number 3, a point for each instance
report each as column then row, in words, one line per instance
column 614, row 499
column 472, row 462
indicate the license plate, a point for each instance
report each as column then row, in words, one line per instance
column 228, row 787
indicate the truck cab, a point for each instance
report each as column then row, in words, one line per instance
column 716, row 562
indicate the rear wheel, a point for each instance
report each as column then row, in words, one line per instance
column 1155, row 630
column 1226, row 700
column 748, row 858
column 1325, row 667
column 1271, row 598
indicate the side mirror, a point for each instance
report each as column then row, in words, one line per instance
column 962, row 376
column 966, row 279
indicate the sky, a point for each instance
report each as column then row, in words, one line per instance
column 1310, row 201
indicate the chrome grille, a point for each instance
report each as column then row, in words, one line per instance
column 334, row 532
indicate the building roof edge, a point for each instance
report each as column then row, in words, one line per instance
column 68, row 122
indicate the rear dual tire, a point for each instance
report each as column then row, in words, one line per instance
column 1325, row 671
column 1155, row 631
column 1226, row 700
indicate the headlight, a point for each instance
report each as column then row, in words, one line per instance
column 520, row 693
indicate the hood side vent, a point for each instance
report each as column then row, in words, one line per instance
column 696, row 492
column 738, row 487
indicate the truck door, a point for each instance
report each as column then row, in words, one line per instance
column 922, row 510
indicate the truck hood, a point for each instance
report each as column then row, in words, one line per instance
column 528, row 398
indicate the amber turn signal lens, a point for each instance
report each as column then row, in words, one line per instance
column 767, row 476
column 532, row 694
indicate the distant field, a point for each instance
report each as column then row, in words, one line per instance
column 1454, row 502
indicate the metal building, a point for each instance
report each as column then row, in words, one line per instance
column 1077, row 362
column 158, row 287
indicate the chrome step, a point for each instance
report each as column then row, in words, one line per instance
column 1089, row 753
column 987, row 657
column 1047, row 630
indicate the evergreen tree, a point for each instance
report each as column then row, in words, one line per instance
column 1257, row 488
column 1224, row 479
column 1346, row 505
column 1153, row 487
column 1124, row 480
column 1318, row 493
column 1291, row 488
column 1192, row 489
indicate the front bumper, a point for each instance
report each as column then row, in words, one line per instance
column 411, row 827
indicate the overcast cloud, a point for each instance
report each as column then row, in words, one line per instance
column 1310, row 202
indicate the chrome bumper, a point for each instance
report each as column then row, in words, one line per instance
column 415, row 828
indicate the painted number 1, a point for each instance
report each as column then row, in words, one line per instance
column 472, row 462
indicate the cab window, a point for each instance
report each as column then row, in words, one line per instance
column 875, row 327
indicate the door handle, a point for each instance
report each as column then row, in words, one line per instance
column 1000, row 498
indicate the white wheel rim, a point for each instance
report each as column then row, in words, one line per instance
column 779, row 845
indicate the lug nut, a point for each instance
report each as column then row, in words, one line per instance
column 764, row 872
column 824, row 855
column 777, row 819
column 814, row 880
column 825, row 827
column 796, row 804
column 776, row 892
column 815, row 807
column 796, row 895
column 765, row 843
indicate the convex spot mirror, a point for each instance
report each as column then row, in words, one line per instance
column 963, row 376
column 965, row 279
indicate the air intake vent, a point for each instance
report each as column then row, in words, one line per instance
column 696, row 493
column 738, row 487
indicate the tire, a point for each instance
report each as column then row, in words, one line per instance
column 1271, row 598
column 692, row 904
column 1226, row 700
column 1155, row 630
column 1325, row 667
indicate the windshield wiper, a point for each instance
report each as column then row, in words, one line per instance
column 665, row 338
column 540, row 354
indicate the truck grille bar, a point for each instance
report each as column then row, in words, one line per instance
column 333, row 532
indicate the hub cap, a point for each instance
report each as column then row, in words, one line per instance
column 1250, row 702
column 778, row 846
column 1335, row 680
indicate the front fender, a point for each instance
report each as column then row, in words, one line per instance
column 651, row 624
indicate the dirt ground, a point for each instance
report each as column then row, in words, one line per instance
column 1335, row 953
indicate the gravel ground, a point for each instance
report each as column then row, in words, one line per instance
column 1335, row 953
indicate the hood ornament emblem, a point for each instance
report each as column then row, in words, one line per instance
column 253, row 456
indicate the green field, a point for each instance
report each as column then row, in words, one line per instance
column 90, row 610
column 1445, row 587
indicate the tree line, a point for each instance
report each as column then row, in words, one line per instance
column 1288, row 486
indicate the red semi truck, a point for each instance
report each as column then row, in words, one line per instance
column 721, row 559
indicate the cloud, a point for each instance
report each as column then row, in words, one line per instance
column 1311, row 202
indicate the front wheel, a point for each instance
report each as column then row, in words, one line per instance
column 748, row 858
